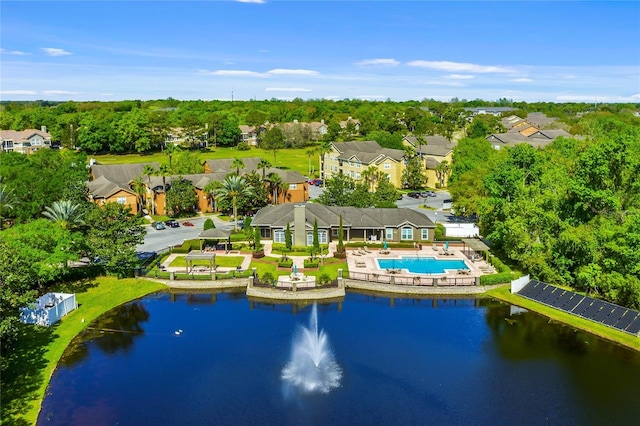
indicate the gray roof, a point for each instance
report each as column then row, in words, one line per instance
column 121, row 174
column 104, row 188
column 222, row 167
column 352, row 217
column 432, row 145
column 367, row 152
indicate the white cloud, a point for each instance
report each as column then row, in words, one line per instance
column 442, row 83
column 13, row 52
column 458, row 67
column 284, row 71
column 233, row 73
column 596, row 98
column 18, row 92
column 54, row 51
column 385, row 62
column 522, row 80
column 286, row 89
column 59, row 92
column 459, row 76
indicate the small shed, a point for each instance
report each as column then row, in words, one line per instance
column 48, row 309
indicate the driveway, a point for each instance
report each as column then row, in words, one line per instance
column 156, row 240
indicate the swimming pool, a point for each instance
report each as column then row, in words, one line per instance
column 422, row 265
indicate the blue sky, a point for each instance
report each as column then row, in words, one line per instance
column 377, row 50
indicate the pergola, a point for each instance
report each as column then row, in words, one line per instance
column 211, row 257
column 215, row 234
column 471, row 246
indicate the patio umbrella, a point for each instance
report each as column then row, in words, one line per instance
column 384, row 245
column 295, row 269
column 446, row 245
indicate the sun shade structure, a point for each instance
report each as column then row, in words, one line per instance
column 211, row 257
column 472, row 246
column 215, row 234
column 48, row 309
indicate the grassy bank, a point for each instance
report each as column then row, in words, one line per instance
column 38, row 350
column 592, row 327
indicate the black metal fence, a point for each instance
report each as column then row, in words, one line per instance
column 421, row 280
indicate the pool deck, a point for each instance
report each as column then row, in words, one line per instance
column 364, row 271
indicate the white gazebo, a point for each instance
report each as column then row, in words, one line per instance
column 48, row 309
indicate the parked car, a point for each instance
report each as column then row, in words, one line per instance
column 432, row 194
column 187, row 223
column 317, row 182
column 158, row 225
column 414, row 195
column 400, row 195
column 172, row 223
column 428, row 194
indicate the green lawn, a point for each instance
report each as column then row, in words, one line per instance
column 223, row 261
column 38, row 350
column 603, row 331
column 287, row 159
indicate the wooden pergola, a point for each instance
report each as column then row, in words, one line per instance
column 215, row 234
column 471, row 246
column 211, row 257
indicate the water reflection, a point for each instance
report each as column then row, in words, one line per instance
column 113, row 332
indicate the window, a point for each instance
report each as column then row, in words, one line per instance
column 322, row 237
column 351, row 174
column 387, row 166
column 358, row 176
column 122, row 200
column 357, row 165
column 388, row 234
column 278, row 236
column 293, row 186
column 334, row 232
column 407, row 233
column 425, row 234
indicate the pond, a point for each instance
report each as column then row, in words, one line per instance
column 201, row 358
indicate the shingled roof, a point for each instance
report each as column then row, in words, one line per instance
column 120, row 174
column 367, row 152
column 432, row 145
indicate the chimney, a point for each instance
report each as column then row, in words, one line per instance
column 322, row 121
column 43, row 129
column 299, row 225
column 295, row 121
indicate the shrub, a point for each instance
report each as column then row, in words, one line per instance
column 285, row 263
column 308, row 263
column 492, row 279
column 324, row 279
column 243, row 146
column 500, row 267
column 208, row 224
column 267, row 277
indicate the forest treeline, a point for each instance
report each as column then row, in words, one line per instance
column 567, row 214
column 142, row 126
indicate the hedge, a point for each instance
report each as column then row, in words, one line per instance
column 501, row 278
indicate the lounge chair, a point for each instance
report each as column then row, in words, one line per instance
column 366, row 249
column 356, row 253
column 360, row 264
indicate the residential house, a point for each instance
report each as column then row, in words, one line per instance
column 434, row 150
column 111, row 183
column 25, row 141
column 249, row 134
column 353, row 158
column 350, row 121
column 495, row 111
column 538, row 139
column 358, row 224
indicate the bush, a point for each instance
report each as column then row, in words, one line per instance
column 324, row 279
column 243, row 146
column 267, row 277
column 500, row 267
column 286, row 263
column 310, row 263
column 492, row 279
column 187, row 246
column 208, row 224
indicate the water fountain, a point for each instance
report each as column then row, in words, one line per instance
column 312, row 368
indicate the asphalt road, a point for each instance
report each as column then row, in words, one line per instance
column 156, row 240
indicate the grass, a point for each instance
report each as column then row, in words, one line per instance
column 329, row 267
column 223, row 261
column 39, row 349
column 287, row 159
column 592, row 327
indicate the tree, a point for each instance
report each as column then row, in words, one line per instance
column 131, row 131
column 7, row 203
column 340, row 237
column 361, row 196
column 385, row 195
column 181, row 197
column 264, row 165
column 208, row 224
column 316, row 238
column 64, row 212
column 443, row 170
column 187, row 163
column 192, row 130
column 170, row 150
column 323, row 150
column 275, row 183
column 212, row 189
column 234, row 187
column 149, row 171
column 113, row 235
column 230, row 132
column 310, row 153
column 414, row 176
column 287, row 238
column 337, row 191
column 139, row 188
column 237, row 164
column 273, row 140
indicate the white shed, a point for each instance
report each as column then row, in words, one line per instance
column 48, row 309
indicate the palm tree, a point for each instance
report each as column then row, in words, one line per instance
column 212, row 190
column 164, row 171
column 233, row 187
column 149, row 171
column 264, row 165
column 238, row 164
column 7, row 202
column 371, row 175
column 138, row 187
column 64, row 212
column 275, row 182
column 310, row 153
column 323, row 150
column 169, row 150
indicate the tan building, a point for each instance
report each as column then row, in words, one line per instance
column 25, row 141
column 434, row 150
column 353, row 158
